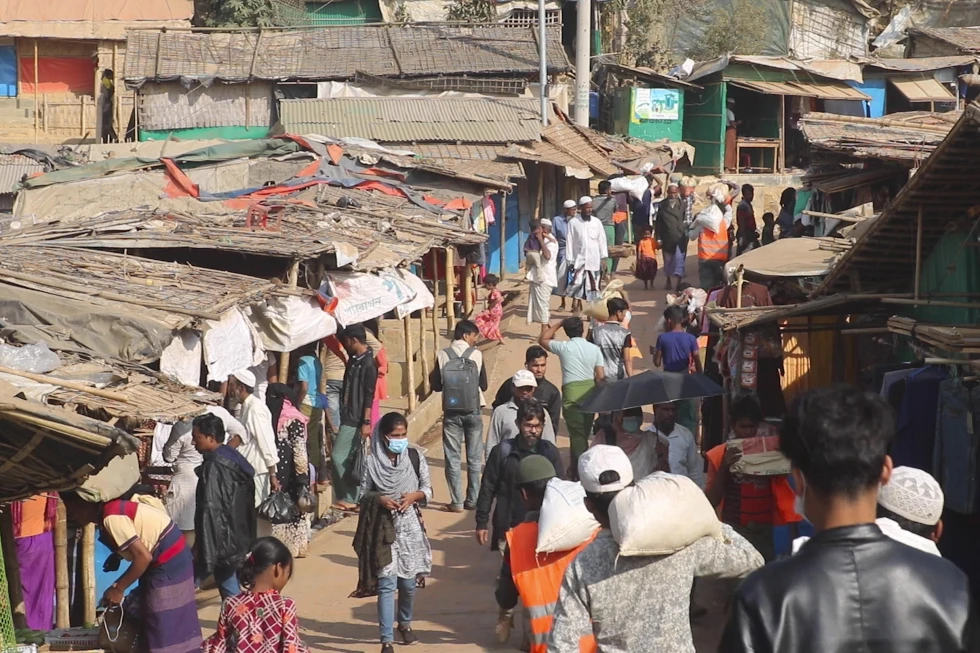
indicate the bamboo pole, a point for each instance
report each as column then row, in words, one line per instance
column 409, row 363
column 834, row 216
column 503, row 234
column 71, row 385
column 918, row 253
column 435, row 304
column 467, row 289
column 12, row 568
column 539, row 201
column 424, row 355
column 63, row 609
column 116, row 97
column 450, row 292
column 929, row 302
column 35, row 91
column 81, row 126
column 90, row 600
column 292, row 281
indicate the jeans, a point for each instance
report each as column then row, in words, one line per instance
column 458, row 429
column 386, row 605
column 955, row 453
column 333, row 390
column 226, row 579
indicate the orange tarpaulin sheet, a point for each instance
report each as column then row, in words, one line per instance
column 58, row 75
column 178, row 184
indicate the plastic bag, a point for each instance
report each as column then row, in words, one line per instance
column 30, row 358
column 635, row 186
column 278, row 508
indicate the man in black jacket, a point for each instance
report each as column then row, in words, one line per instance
column 225, row 520
column 850, row 588
column 501, row 475
column 536, row 362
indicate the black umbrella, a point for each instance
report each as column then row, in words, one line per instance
column 648, row 388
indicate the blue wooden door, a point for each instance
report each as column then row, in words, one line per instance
column 512, row 239
column 8, row 71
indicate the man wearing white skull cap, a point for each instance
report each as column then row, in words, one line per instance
column 587, row 250
column 259, row 445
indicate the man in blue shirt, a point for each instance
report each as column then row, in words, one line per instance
column 559, row 229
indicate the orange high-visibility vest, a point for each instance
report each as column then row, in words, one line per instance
column 538, row 580
column 713, row 246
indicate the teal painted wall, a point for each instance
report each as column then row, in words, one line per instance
column 205, row 133
column 344, row 12
column 626, row 123
column 951, row 267
column 704, row 124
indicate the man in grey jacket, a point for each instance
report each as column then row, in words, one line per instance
column 655, row 617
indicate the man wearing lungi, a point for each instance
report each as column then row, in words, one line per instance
column 586, row 249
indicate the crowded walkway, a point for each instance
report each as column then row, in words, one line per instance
column 456, row 611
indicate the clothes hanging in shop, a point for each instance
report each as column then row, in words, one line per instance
column 955, row 453
column 915, row 428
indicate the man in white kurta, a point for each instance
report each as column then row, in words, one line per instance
column 585, row 249
column 259, row 445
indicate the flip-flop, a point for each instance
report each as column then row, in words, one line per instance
column 337, row 507
column 452, row 509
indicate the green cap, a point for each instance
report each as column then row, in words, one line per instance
column 535, row 468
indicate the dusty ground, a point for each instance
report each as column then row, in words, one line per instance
column 456, row 611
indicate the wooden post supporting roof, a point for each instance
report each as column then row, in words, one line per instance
column 450, row 292
column 409, row 363
column 292, row 281
column 62, row 617
column 918, row 254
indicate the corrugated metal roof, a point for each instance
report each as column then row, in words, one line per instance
column 922, row 90
column 966, row 39
column 13, row 167
column 920, row 64
column 338, row 52
column 824, row 90
column 386, row 120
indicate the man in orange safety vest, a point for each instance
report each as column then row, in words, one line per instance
column 711, row 229
column 535, row 579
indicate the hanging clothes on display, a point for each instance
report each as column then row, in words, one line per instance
column 915, row 428
column 955, row 454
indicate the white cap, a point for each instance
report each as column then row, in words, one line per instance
column 604, row 458
column 545, row 222
column 585, row 199
column 524, row 379
column 569, row 204
column 913, row 494
column 246, row 377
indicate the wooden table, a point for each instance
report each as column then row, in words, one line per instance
column 746, row 142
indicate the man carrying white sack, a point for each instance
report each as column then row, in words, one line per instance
column 637, row 604
column 533, row 578
column 910, row 508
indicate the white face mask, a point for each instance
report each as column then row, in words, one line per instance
column 629, row 316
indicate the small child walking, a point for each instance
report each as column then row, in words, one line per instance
column 676, row 349
column 260, row 619
column 646, row 258
column 769, row 223
column 489, row 320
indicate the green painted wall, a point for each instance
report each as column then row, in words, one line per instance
column 205, row 133
column 626, row 124
column 344, row 12
column 951, row 267
column 704, row 124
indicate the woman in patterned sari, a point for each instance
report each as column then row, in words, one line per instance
column 138, row 529
column 293, row 470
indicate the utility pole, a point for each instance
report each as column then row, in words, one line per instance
column 583, row 47
column 543, row 62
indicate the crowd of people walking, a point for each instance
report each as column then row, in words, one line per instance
column 239, row 507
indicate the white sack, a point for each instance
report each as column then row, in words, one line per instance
column 230, row 344
column 635, row 186
column 564, row 521
column 288, row 323
column 181, row 360
column 661, row 514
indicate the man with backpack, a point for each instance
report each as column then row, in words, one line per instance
column 461, row 378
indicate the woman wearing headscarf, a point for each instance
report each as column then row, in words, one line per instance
column 624, row 429
column 400, row 475
column 293, row 471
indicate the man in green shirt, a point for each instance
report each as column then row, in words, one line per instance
column 582, row 368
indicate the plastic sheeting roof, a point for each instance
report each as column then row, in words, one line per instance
column 791, row 257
